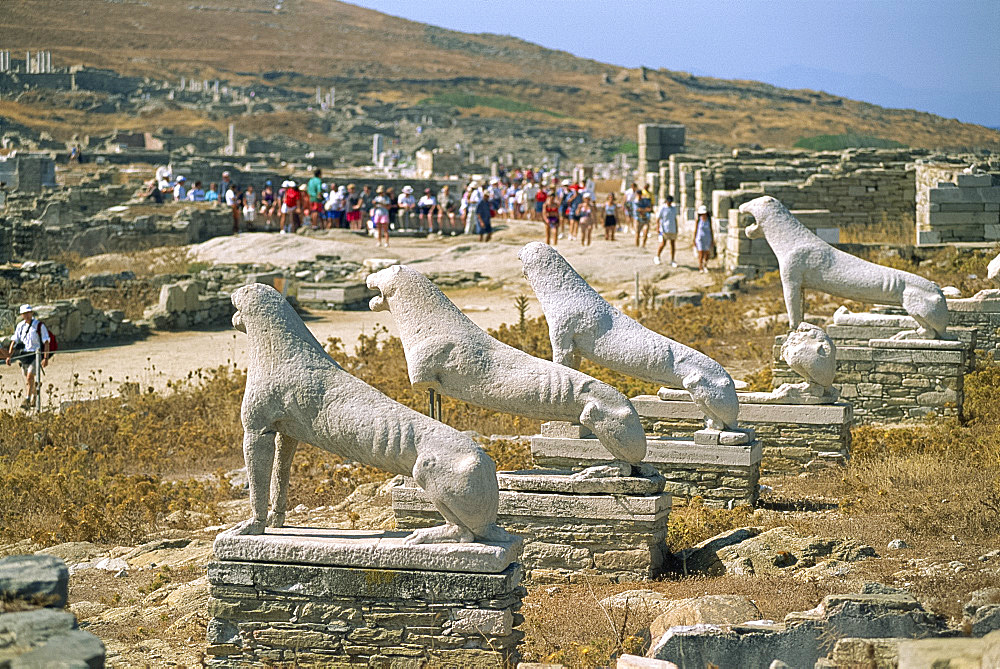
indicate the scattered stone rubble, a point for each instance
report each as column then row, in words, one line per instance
column 35, row 628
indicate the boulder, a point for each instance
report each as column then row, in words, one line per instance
column 982, row 611
column 173, row 298
column 73, row 551
column 780, row 550
column 37, row 579
column 710, row 610
column 644, row 603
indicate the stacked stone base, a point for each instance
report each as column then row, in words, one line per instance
column 722, row 474
column 793, row 437
column 288, row 614
column 595, row 530
column 889, row 381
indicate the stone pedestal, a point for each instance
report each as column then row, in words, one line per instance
column 723, row 468
column 890, row 380
column 792, row 436
column 575, row 529
column 300, row 596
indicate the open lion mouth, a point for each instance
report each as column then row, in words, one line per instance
column 378, row 303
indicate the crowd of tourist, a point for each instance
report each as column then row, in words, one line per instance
column 567, row 209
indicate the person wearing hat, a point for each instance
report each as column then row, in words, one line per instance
column 470, row 200
column 407, row 204
column 704, row 241
column 29, row 337
column 289, row 208
column 426, row 206
column 353, row 200
column 180, row 192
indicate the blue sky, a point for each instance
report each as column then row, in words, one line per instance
column 940, row 56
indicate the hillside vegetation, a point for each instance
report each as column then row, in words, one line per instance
column 383, row 58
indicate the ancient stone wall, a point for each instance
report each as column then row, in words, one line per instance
column 957, row 207
column 183, row 305
column 889, row 381
column 754, row 256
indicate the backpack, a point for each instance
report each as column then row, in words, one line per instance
column 53, row 344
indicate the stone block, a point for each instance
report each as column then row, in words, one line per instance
column 357, row 548
column 42, row 580
column 975, row 180
column 172, row 298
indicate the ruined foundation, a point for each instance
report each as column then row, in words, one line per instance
column 793, row 437
column 607, row 529
column 308, row 596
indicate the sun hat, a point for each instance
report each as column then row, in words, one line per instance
column 407, row 189
column 302, row 187
column 226, row 173
column 291, row 184
column 181, row 178
column 286, row 183
column 380, row 189
column 702, row 209
column 25, row 308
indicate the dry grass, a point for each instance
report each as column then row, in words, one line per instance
column 901, row 231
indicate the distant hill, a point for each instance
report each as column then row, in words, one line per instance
column 387, row 59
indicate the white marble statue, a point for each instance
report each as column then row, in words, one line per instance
column 296, row 392
column 807, row 262
column 583, row 325
column 993, row 269
column 811, row 354
column 448, row 353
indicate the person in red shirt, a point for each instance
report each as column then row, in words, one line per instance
column 289, row 207
column 540, row 197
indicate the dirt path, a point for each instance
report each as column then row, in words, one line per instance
column 166, row 356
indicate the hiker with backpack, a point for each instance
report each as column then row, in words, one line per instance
column 30, row 336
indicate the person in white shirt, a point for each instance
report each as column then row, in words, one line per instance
column 666, row 217
column 631, row 197
column 164, row 175
column 473, row 195
column 249, row 207
column 426, row 206
column 180, row 193
column 407, row 204
column 197, row 193
column 526, row 200
column 29, row 336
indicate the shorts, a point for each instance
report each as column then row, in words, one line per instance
column 249, row 213
column 353, row 216
column 664, row 236
column 27, row 363
column 642, row 220
column 285, row 208
column 381, row 219
column 553, row 221
column 316, row 206
column 425, row 209
column 538, row 207
column 610, row 221
column 337, row 214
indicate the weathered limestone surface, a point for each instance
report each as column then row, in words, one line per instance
column 807, row 262
column 722, row 474
column 38, row 632
column 792, row 436
column 583, row 325
column 296, row 392
column 890, row 380
column 611, row 529
column 270, row 613
column 448, row 353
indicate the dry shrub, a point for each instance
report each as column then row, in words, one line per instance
column 694, row 522
column 902, row 230
column 904, row 472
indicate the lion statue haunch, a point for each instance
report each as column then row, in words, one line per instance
column 296, row 392
column 807, row 262
column 448, row 353
column 583, row 325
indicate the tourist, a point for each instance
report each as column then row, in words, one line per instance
column 610, row 217
column 541, row 197
column 353, row 208
column 212, row 194
column 152, row 191
column 631, row 196
column 180, row 193
column 667, row 222
column 268, row 204
column 407, row 204
column 484, row 227
column 470, row 201
column 249, row 207
column 29, row 337
column 305, row 207
column 704, row 241
column 574, row 199
column 314, row 188
column 337, row 202
column 289, row 207
column 446, row 207
column 643, row 209
column 380, row 217
column 164, row 175
column 513, row 209
column 367, row 196
column 233, row 202
column 225, row 184
column 585, row 219
column 426, row 207
column 390, row 194
column 197, row 193
column 552, row 220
